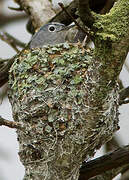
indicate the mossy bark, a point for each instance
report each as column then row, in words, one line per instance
column 67, row 99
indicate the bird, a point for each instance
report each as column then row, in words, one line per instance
column 50, row 34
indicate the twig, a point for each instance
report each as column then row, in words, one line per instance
column 10, row 124
column 2, row 62
column 4, row 71
column 8, row 40
column 124, row 102
column 112, row 144
column 5, row 19
column 64, row 18
column 6, row 64
column 6, row 67
column 15, row 9
column 3, row 78
column 104, row 163
column 124, row 93
column 3, row 93
column 63, row 8
column 14, row 40
column 3, row 81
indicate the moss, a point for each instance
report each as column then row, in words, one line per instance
column 113, row 25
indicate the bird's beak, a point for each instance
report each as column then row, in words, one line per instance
column 67, row 27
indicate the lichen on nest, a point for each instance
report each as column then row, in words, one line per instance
column 49, row 83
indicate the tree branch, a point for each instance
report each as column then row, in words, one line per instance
column 5, row 19
column 111, row 36
column 10, row 124
column 104, row 163
column 125, row 173
column 40, row 11
column 108, row 175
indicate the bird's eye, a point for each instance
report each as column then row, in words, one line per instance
column 51, row 28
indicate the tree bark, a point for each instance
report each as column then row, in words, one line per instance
column 40, row 11
column 109, row 162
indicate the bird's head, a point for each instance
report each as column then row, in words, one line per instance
column 51, row 33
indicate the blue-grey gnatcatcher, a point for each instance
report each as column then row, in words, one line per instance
column 51, row 33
